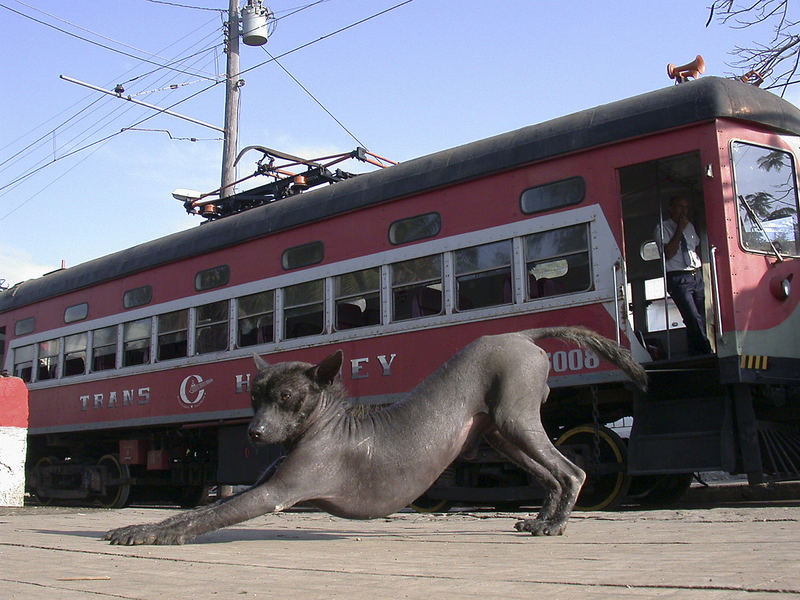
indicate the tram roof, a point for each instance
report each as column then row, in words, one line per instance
column 705, row 99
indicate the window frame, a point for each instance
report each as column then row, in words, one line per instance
column 173, row 331
column 416, row 286
column 288, row 254
column 258, row 316
column 130, row 300
column 552, row 258
column 76, row 312
column 553, row 206
column 478, row 274
column 740, row 210
column 215, row 326
column 130, row 345
column 394, row 225
column 354, row 297
column 218, row 277
column 301, row 309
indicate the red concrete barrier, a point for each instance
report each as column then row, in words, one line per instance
column 13, row 440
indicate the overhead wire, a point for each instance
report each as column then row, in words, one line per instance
column 294, row 11
column 105, row 46
column 123, row 108
column 191, row 96
column 326, row 36
column 222, row 10
column 315, row 99
column 100, row 35
column 214, row 47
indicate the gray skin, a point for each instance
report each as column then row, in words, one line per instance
column 362, row 467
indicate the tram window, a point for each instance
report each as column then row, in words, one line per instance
column 104, row 348
column 23, row 362
column 173, row 333
column 24, row 326
column 649, row 251
column 136, row 342
column 137, row 296
column 417, row 288
column 211, row 334
column 558, row 261
column 415, row 228
column 48, row 360
column 358, row 299
column 256, row 314
column 556, row 194
column 212, row 278
column 766, row 198
column 304, row 312
column 76, row 313
column 75, row 354
column 303, row 256
column 483, row 275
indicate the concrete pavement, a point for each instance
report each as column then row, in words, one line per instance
column 733, row 552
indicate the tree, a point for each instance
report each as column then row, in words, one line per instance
column 776, row 62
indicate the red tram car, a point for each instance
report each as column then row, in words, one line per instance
column 139, row 363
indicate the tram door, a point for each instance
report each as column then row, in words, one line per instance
column 646, row 189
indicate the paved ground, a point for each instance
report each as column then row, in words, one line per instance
column 741, row 550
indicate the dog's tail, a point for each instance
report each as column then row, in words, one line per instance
column 608, row 349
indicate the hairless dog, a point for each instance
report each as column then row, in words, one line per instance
column 367, row 466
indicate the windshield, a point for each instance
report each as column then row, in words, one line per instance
column 766, row 199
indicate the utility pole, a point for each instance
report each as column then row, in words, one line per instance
column 232, row 85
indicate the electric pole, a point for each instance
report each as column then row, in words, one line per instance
column 232, row 85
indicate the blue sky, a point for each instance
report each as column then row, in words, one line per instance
column 426, row 76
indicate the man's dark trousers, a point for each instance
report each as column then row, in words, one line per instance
column 686, row 290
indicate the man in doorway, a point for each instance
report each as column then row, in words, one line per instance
column 684, row 272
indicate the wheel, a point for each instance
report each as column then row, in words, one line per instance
column 45, row 461
column 119, row 488
column 426, row 504
column 605, row 462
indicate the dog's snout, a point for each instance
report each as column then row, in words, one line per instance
column 256, row 434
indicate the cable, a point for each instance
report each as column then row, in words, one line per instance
column 324, row 37
column 294, row 11
column 100, row 35
column 207, row 88
column 128, row 54
column 186, row 6
column 33, row 144
column 314, row 98
column 51, row 182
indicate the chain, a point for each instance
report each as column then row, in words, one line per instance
column 596, row 425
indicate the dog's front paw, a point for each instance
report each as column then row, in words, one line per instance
column 541, row 527
column 135, row 535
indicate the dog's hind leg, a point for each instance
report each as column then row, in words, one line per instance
column 528, row 445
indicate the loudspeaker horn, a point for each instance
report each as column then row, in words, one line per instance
column 683, row 72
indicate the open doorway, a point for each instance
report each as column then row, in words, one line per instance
column 646, row 189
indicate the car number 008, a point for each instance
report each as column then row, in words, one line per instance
column 573, row 360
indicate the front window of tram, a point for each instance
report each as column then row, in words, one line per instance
column 766, row 199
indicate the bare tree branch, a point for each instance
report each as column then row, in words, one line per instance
column 776, row 62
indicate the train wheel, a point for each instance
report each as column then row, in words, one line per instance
column 604, row 458
column 426, row 504
column 45, row 461
column 117, row 494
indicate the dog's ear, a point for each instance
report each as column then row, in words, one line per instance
column 325, row 372
column 261, row 364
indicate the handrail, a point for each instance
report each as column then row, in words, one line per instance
column 715, row 295
column 614, row 268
